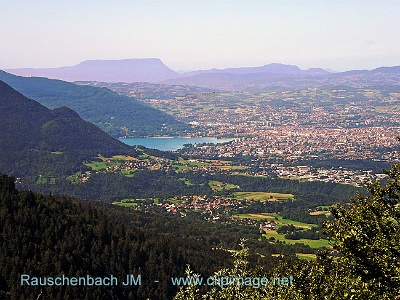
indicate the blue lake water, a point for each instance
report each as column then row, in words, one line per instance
column 170, row 144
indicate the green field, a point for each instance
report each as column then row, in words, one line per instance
column 275, row 217
column 318, row 213
column 128, row 173
column 103, row 164
column 124, row 204
column 262, row 196
column 321, row 210
column 57, row 152
column 306, row 256
column 220, row 186
column 188, row 164
column 115, row 161
column 98, row 165
column 311, row 243
column 280, row 222
column 258, row 217
column 186, row 181
column 123, row 157
column 175, row 201
column 133, row 202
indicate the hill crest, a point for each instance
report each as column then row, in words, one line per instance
column 116, row 114
column 32, row 133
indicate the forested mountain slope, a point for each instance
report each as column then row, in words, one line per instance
column 117, row 115
column 36, row 140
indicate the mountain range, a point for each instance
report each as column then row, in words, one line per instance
column 116, row 114
column 274, row 68
column 146, row 70
column 278, row 76
column 273, row 75
column 124, row 70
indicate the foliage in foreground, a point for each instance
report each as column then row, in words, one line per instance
column 45, row 236
column 366, row 233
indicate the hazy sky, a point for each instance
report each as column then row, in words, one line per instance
column 188, row 34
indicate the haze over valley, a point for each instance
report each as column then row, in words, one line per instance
column 175, row 150
column 341, row 126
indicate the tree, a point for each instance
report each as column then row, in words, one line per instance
column 227, row 283
column 366, row 233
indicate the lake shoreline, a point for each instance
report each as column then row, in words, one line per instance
column 171, row 143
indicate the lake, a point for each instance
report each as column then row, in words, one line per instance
column 170, row 143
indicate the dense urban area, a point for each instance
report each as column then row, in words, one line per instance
column 335, row 134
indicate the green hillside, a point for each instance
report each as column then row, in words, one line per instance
column 117, row 115
column 36, row 141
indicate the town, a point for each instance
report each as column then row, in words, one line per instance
column 332, row 134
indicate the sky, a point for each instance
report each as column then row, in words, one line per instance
column 201, row 34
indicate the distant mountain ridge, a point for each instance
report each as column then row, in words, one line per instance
column 274, row 68
column 268, row 76
column 146, row 70
column 284, row 76
column 124, row 70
